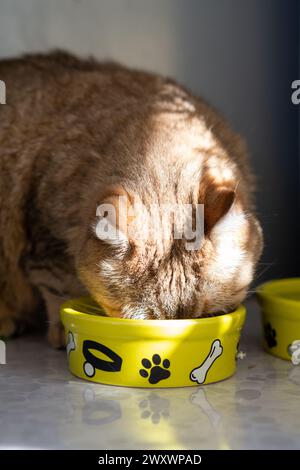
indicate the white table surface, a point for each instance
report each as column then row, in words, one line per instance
column 43, row 406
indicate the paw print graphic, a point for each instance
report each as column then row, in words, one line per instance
column 155, row 408
column 155, row 370
column 270, row 335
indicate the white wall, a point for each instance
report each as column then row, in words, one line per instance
column 239, row 54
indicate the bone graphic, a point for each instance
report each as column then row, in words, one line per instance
column 199, row 374
column 294, row 352
column 71, row 346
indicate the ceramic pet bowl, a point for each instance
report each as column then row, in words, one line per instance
column 149, row 353
column 280, row 308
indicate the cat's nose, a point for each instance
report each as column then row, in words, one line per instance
column 190, row 311
column 178, row 313
column 175, row 314
column 181, row 312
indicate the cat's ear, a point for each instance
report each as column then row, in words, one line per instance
column 217, row 202
column 111, row 224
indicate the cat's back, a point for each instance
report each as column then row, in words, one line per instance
column 52, row 97
column 59, row 114
column 56, row 100
column 59, row 78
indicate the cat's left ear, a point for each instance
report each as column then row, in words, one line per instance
column 217, row 202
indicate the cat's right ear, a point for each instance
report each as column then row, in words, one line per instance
column 217, row 202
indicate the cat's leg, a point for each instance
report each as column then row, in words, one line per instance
column 54, row 293
column 7, row 321
column 56, row 334
column 18, row 302
column 55, row 286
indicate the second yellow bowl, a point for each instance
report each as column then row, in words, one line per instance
column 280, row 305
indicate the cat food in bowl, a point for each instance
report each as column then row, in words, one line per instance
column 280, row 311
column 149, row 353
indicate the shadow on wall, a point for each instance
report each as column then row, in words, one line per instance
column 241, row 56
column 244, row 63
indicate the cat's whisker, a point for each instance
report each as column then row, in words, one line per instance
column 263, row 271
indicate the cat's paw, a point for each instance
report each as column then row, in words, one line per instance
column 56, row 335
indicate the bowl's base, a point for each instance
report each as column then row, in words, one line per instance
column 153, row 387
column 279, row 355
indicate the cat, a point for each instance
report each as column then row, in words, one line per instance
column 75, row 134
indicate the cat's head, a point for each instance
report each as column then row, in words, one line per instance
column 135, row 273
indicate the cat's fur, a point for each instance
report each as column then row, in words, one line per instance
column 75, row 133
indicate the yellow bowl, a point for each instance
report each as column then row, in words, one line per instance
column 280, row 308
column 149, row 353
